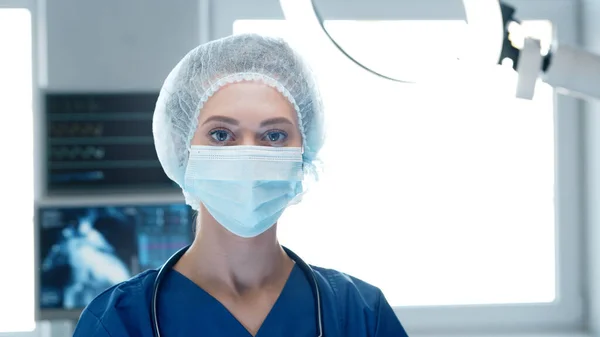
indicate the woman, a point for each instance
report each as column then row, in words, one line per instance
column 238, row 125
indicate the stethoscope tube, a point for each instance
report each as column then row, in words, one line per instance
column 306, row 269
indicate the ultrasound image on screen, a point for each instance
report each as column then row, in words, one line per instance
column 162, row 232
column 83, row 252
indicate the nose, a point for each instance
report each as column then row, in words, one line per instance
column 249, row 138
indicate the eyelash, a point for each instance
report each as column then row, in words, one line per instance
column 266, row 134
column 212, row 132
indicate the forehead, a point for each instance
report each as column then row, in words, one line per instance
column 248, row 102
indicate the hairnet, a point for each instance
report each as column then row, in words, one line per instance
column 210, row 66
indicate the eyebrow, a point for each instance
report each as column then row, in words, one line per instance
column 277, row 120
column 222, row 119
column 232, row 121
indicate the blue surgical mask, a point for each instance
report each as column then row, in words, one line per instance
column 245, row 188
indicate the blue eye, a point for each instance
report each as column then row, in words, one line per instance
column 275, row 136
column 220, row 135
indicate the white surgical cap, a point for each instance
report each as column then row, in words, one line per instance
column 210, row 66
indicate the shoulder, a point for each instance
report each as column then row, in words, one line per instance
column 348, row 288
column 115, row 310
column 125, row 294
column 354, row 298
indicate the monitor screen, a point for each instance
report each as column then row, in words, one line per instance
column 161, row 232
column 102, row 141
column 85, row 250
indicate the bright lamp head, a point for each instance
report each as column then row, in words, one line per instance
column 485, row 30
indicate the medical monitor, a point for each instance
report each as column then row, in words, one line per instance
column 99, row 142
column 82, row 251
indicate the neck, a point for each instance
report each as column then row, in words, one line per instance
column 218, row 258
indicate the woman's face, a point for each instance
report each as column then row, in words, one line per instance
column 248, row 113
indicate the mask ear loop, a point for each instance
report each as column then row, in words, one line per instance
column 296, row 200
column 304, row 184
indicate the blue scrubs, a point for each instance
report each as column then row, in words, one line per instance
column 352, row 308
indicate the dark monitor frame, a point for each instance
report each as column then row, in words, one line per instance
column 42, row 314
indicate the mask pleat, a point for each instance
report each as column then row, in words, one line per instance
column 245, row 188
